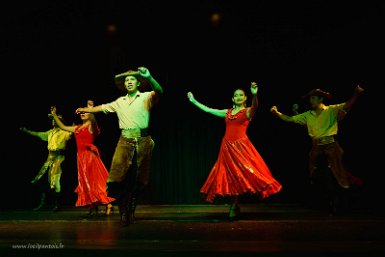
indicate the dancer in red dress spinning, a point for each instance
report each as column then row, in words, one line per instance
column 239, row 168
column 92, row 173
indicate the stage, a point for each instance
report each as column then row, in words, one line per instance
column 194, row 230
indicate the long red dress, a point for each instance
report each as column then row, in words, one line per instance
column 239, row 168
column 92, row 173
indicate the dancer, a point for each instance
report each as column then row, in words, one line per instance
column 92, row 174
column 239, row 168
column 130, row 167
column 322, row 125
column 56, row 144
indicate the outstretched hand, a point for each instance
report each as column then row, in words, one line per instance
column 79, row 110
column 190, row 96
column 254, row 88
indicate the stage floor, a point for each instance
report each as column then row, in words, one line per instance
column 194, row 230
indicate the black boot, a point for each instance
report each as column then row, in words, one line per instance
column 42, row 202
column 56, row 201
column 132, row 209
column 333, row 207
column 93, row 211
column 124, row 212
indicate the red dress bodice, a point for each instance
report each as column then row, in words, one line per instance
column 236, row 125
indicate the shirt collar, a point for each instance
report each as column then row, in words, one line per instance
column 138, row 93
column 324, row 107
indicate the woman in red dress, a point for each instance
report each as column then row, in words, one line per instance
column 92, row 173
column 239, row 168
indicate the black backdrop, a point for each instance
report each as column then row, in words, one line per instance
column 65, row 52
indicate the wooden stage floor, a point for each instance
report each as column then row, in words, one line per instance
column 194, row 230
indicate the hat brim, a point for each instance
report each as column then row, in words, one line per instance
column 51, row 116
column 318, row 92
column 119, row 80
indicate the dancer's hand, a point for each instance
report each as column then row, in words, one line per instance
column 295, row 108
column 144, row 72
column 90, row 103
column 358, row 90
column 274, row 109
column 79, row 110
column 53, row 110
column 254, row 88
column 23, row 129
column 190, row 97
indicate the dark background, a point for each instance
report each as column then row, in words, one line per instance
column 65, row 52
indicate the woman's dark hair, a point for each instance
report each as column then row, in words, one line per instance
column 239, row 89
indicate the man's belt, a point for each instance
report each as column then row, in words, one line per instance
column 57, row 152
column 323, row 140
column 135, row 132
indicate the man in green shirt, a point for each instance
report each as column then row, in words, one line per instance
column 56, row 143
column 322, row 126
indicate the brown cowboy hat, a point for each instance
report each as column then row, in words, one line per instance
column 318, row 92
column 119, row 79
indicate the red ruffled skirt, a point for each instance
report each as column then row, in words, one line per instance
column 92, row 178
column 238, row 170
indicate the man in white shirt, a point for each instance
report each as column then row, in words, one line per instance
column 130, row 166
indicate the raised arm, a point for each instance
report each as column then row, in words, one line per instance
column 352, row 100
column 295, row 108
column 41, row 135
column 89, row 109
column 216, row 112
column 145, row 73
column 254, row 104
column 59, row 122
column 280, row 115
